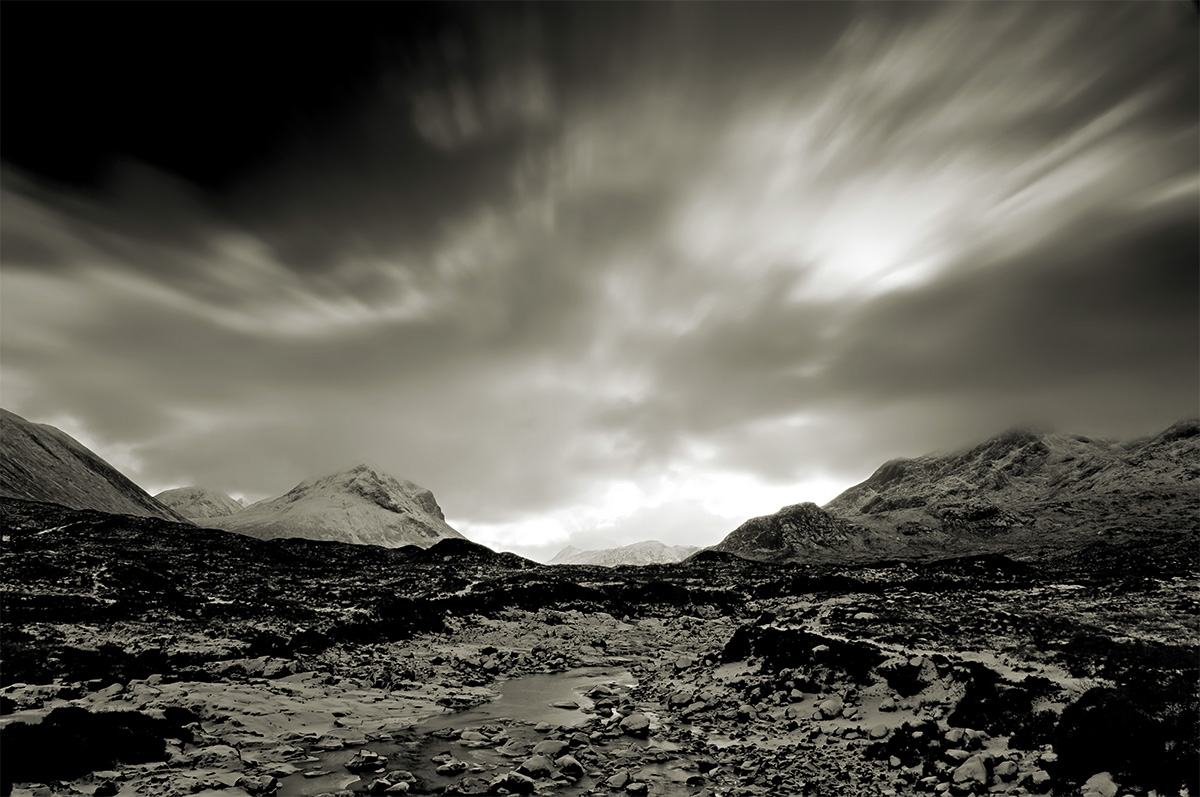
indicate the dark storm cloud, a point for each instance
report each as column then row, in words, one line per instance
column 591, row 271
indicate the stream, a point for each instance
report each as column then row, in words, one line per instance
column 523, row 703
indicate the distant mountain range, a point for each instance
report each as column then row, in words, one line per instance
column 1021, row 490
column 41, row 463
column 199, row 503
column 650, row 552
column 360, row 505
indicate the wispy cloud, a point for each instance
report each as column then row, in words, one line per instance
column 591, row 282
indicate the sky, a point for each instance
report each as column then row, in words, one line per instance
column 594, row 273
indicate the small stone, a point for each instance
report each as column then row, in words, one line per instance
column 887, row 704
column 637, row 787
column 879, row 731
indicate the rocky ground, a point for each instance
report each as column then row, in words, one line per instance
column 147, row 658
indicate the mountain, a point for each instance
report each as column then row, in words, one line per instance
column 1025, row 479
column 360, row 505
column 1033, row 493
column 649, row 552
column 801, row 531
column 41, row 463
column 199, row 502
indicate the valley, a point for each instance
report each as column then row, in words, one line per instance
column 297, row 667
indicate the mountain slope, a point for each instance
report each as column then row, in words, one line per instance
column 1021, row 492
column 41, row 463
column 360, row 505
column 199, row 502
column 1027, row 479
column 801, row 531
column 649, row 552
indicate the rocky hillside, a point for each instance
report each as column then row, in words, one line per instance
column 1023, row 492
column 360, row 505
column 41, row 463
column 199, row 503
column 648, row 552
column 1024, row 479
column 798, row 532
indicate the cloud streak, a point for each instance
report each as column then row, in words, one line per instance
column 591, row 283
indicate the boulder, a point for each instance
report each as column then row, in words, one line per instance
column 1005, row 771
column 514, row 782
column 1100, row 785
column 974, row 769
column 679, row 699
column 636, row 725
column 550, row 748
column 366, row 761
column 569, row 766
column 831, row 707
column 618, row 781
column 537, row 766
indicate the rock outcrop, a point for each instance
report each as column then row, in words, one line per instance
column 41, row 463
column 800, row 531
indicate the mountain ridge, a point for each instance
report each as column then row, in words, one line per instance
column 646, row 552
column 360, row 505
column 1020, row 491
column 199, row 502
column 39, row 462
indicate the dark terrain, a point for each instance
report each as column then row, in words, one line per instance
column 218, row 664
